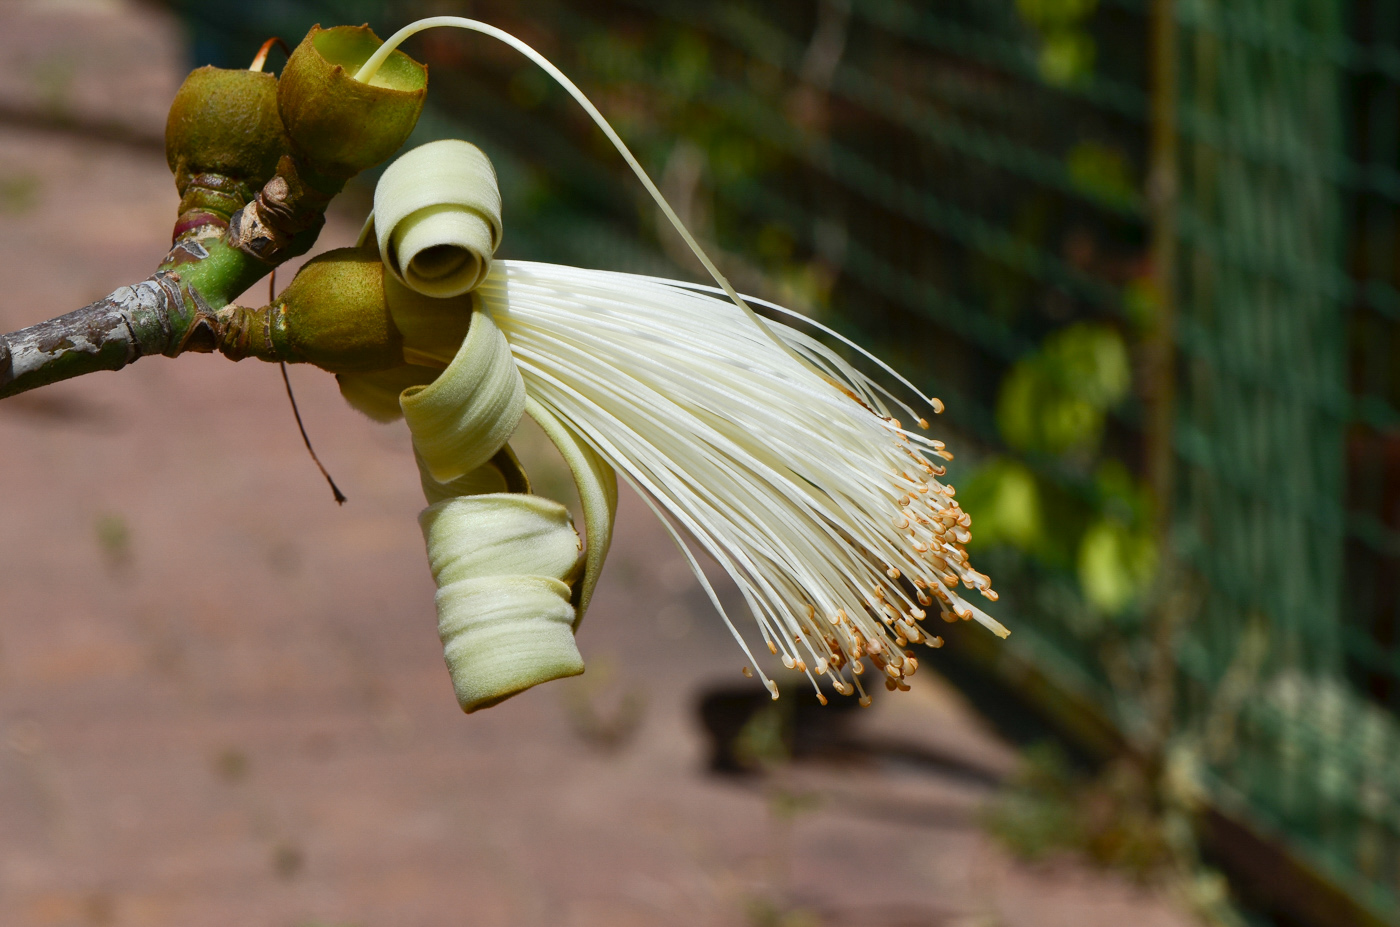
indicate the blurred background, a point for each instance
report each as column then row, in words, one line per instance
column 1144, row 250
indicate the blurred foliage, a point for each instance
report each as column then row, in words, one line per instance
column 1049, row 807
column 1101, row 171
column 1054, row 403
column 1067, row 48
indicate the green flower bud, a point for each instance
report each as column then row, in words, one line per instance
column 339, row 124
column 334, row 315
column 223, row 138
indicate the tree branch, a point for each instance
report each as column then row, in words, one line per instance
column 106, row 335
column 176, row 309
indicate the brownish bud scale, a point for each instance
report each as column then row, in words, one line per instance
column 223, row 138
column 339, row 124
column 334, row 315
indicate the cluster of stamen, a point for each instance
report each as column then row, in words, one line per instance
column 933, row 532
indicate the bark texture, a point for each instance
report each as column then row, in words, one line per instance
column 131, row 322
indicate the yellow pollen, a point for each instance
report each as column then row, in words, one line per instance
column 936, row 403
column 748, row 673
column 772, row 647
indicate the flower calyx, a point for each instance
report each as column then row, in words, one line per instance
column 341, row 125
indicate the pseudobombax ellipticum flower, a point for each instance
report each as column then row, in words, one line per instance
column 810, row 484
column 795, row 477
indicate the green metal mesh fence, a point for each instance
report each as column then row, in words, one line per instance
column 1146, row 253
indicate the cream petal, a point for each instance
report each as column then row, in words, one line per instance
column 503, row 634
column 461, row 419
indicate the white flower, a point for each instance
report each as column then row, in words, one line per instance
column 826, row 511
column 779, row 458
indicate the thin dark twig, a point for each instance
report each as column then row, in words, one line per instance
column 287, row 381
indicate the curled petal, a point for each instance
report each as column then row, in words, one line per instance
column 597, row 491
column 461, row 419
column 437, row 218
column 504, row 634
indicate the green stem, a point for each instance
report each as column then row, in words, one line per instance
column 176, row 309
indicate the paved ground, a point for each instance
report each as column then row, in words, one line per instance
column 222, row 699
